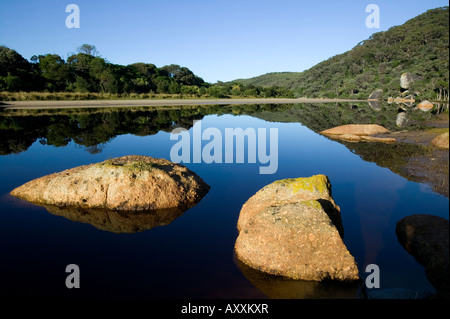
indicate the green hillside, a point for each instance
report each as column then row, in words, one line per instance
column 420, row 47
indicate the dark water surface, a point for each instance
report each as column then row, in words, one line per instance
column 192, row 257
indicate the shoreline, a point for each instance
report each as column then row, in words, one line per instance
column 33, row 105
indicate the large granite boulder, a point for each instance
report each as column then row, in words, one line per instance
column 441, row 141
column 426, row 237
column 359, row 132
column 129, row 183
column 293, row 228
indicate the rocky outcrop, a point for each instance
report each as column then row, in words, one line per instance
column 293, row 228
column 441, row 141
column 407, row 79
column 426, row 237
column 425, row 106
column 129, row 183
column 359, row 132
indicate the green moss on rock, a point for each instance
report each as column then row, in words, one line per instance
column 314, row 184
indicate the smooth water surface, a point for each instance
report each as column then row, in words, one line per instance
column 192, row 257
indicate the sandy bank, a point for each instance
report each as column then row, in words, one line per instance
column 124, row 103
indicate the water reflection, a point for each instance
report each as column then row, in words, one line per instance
column 92, row 128
column 118, row 221
column 200, row 242
column 414, row 162
column 375, row 105
column 276, row 287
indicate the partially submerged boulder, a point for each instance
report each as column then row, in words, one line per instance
column 129, row 183
column 359, row 132
column 293, row 228
column 426, row 237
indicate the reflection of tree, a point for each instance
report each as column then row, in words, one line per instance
column 91, row 130
column 94, row 127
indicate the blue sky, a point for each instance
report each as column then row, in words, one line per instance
column 216, row 39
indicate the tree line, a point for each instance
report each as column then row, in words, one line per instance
column 87, row 72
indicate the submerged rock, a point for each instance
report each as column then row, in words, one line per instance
column 129, row 183
column 359, row 132
column 293, row 228
column 426, row 237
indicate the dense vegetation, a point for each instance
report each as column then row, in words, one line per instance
column 91, row 76
column 420, row 46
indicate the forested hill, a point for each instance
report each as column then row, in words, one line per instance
column 420, row 47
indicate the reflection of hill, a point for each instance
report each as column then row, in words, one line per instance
column 414, row 162
column 319, row 117
column 92, row 127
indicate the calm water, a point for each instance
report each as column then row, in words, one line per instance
column 192, row 257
